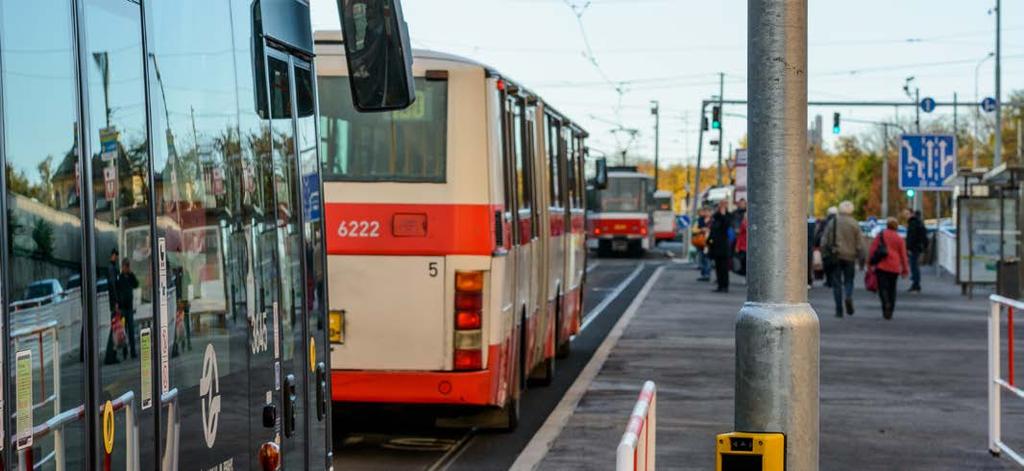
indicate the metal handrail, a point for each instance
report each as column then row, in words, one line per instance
column 38, row 332
column 58, row 422
column 996, row 383
column 170, row 459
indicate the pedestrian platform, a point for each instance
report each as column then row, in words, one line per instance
column 901, row 394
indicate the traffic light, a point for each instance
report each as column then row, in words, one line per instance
column 835, row 123
column 716, row 117
column 910, row 194
column 704, row 123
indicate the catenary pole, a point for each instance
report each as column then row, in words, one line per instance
column 998, row 155
column 777, row 330
column 721, row 127
column 696, row 178
column 885, row 170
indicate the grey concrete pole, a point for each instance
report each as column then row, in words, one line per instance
column 777, row 330
column 721, row 126
column 696, row 180
column 998, row 155
column 655, row 110
column 885, row 170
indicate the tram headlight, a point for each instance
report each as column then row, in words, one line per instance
column 336, row 326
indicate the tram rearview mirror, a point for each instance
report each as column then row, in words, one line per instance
column 378, row 53
column 601, row 178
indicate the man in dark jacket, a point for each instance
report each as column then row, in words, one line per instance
column 720, row 247
column 126, row 285
column 917, row 243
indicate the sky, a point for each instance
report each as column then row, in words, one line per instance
column 674, row 50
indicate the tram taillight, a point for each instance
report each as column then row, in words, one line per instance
column 469, row 303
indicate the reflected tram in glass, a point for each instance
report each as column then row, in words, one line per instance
column 161, row 233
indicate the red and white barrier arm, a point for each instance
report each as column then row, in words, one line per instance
column 636, row 449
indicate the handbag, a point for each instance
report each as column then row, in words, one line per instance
column 117, row 330
column 871, row 280
column 881, row 252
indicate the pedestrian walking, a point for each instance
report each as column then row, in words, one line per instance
column 126, row 285
column 720, row 245
column 700, row 240
column 917, row 243
column 841, row 249
column 819, row 235
column 889, row 261
column 741, row 246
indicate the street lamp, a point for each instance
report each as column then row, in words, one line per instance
column 977, row 114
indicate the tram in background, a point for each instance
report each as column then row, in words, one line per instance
column 665, row 228
column 161, row 230
column 462, row 217
column 621, row 216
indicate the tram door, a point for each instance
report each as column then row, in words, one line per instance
column 289, row 374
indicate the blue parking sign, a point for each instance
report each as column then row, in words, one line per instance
column 926, row 161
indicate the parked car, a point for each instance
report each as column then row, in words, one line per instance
column 40, row 293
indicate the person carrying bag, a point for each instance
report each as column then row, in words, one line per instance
column 888, row 261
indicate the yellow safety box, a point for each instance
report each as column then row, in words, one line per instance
column 742, row 451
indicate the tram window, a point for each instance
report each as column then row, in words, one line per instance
column 508, row 157
column 626, row 195
column 554, row 154
column 43, row 216
column 405, row 146
column 523, row 187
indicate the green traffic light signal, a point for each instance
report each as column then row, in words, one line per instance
column 835, row 123
column 835, row 130
column 716, row 117
column 910, row 194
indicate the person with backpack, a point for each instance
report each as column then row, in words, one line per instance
column 841, row 248
column 888, row 261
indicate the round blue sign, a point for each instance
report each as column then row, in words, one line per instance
column 988, row 105
column 927, row 105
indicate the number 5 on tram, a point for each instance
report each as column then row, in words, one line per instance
column 161, row 234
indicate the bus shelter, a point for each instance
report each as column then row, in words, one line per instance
column 988, row 239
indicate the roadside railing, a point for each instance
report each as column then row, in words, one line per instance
column 636, row 449
column 169, row 399
column 996, row 382
column 55, row 425
column 38, row 335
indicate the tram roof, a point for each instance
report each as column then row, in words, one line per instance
column 332, row 41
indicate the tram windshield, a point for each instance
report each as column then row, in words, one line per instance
column 623, row 195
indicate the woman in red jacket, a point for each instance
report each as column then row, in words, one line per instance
column 888, row 264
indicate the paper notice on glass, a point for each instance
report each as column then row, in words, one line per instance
column 23, row 386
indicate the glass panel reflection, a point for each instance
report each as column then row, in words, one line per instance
column 118, row 152
column 44, row 233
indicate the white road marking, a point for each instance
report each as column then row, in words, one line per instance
column 541, row 442
column 596, row 311
column 594, row 265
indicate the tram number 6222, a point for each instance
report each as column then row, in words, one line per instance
column 359, row 229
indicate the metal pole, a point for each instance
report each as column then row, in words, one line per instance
column 657, row 129
column 721, row 91
column 885, row 170
column 1020, row 144
column 810, row 187
column 696, row 179
column 777, row 330
column 998, row 156
column 918, row 197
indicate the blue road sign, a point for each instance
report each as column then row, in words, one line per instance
column 926, row 161
column 311, row 197
column 928, row 104
column 988, row 105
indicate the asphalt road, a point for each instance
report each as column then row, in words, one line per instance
column 392, row 437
